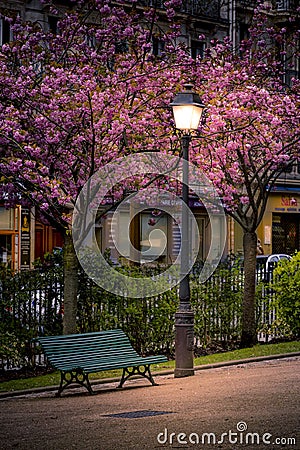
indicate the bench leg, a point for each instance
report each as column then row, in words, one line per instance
column 144, row 371
column 77, row 376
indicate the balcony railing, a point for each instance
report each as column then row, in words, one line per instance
column 292, row 173
column 211, row 8
column 284, row 5
column 279, row 5
column 204, row 8
column 197, row 8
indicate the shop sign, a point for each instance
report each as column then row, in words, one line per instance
column 25, row 238
column 288, row 200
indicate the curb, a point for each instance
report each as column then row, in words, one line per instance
column 156, row 374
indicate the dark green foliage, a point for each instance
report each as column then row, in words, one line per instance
column 286, row 287
column 11, row 347
column 31, row 304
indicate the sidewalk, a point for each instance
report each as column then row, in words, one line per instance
column 155, row 374
column 252, row 405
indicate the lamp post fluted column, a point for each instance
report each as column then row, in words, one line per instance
column 184, row 317
column 187, row 109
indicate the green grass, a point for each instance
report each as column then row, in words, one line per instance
column 253, row 352
column 259, row 350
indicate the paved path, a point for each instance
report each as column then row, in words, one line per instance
column 252, row 406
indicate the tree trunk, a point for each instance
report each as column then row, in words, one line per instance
column 249, row 334
column 70, row 286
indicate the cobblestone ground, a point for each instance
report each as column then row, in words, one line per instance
column 254, row 406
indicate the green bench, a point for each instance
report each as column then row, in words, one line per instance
column 78, row 355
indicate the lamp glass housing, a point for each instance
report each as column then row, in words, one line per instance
column 187, row 109
column 187, row 117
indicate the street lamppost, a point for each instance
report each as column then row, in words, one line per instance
column 187, row 109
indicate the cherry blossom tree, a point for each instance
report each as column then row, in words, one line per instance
column 74, row 101
column 252, row 135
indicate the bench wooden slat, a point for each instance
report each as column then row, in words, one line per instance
column 86, row 361
column 108, row 365
column 93, row 355
column 61, row 352
column 78, row 355
column 101, row 351
column 124, row 361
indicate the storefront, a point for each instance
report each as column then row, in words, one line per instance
column 279, row 231
column 153, row 233
column 23, row 239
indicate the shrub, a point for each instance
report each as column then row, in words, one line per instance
column 11, row 348
column 286, row 287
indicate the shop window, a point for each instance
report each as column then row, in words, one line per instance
column 154, row 235
column 6, row 250
column 152, row 239
column 6, row 218
column 154, row 232
column 39, row 250
column 285, row 233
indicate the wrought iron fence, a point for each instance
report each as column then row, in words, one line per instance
column 31, row 304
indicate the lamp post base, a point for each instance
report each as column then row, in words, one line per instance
column 181, row 373
column 184, row 343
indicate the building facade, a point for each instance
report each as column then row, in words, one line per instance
column 23, row 239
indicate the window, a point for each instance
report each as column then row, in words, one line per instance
column 5, row 32
column 121, row 47
column 91, row 41
column 158, row 46
column 52, row 21
column 243, row 32
column 197, row 49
